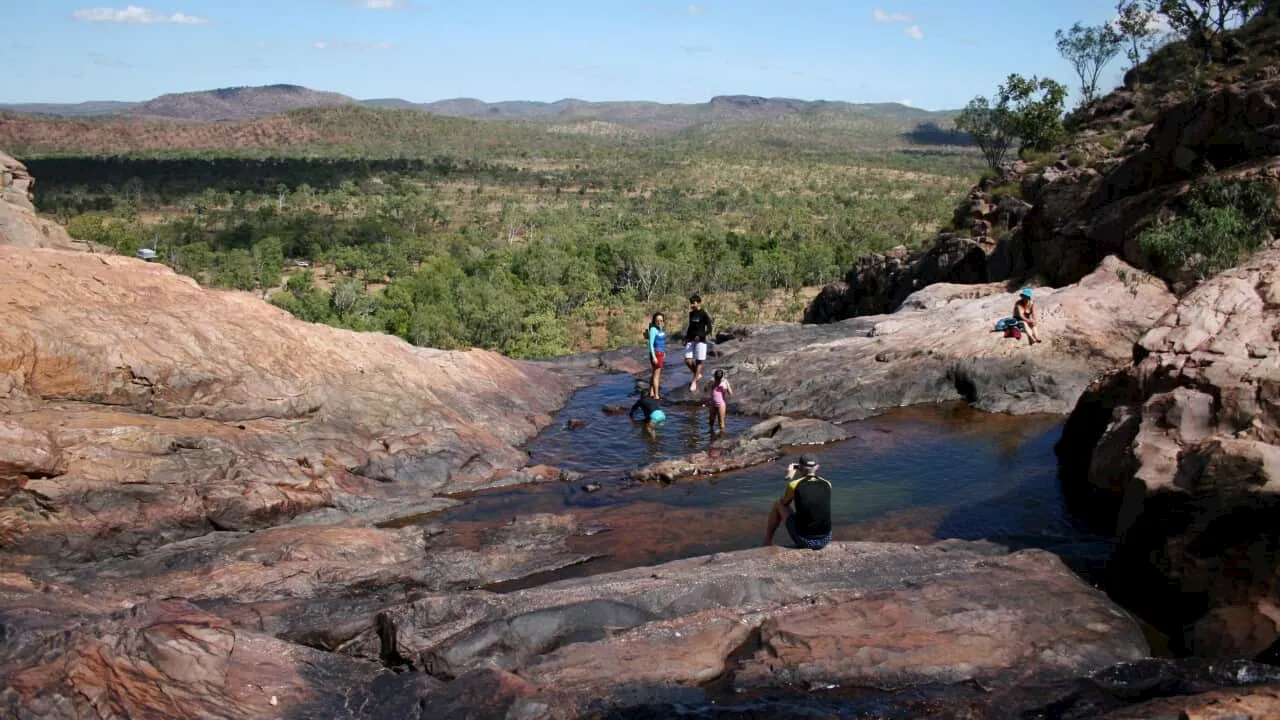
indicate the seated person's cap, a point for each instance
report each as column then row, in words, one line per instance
column 1026, row 292
column 807, row 461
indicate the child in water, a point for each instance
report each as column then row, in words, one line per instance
column 720, row 392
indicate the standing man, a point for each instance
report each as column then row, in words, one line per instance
column 695, row 340
column 809, row 524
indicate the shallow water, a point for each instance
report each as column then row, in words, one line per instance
column 912, row 475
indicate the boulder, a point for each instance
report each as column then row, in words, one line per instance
column 940, row 347
column 1180, row 453
column 19, row 224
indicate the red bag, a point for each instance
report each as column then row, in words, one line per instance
column 1013, row 332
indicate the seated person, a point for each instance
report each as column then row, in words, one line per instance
column 809, row 524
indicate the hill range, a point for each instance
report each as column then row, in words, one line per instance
column 277, row 117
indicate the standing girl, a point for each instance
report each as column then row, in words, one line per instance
column 657, row 352
column 720, row 392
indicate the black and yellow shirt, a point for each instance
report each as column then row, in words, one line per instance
column 812, row 497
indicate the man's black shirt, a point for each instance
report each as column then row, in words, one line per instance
column 646, row 405
column 699, row 326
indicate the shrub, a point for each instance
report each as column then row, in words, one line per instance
column 1076, row 158
column 1007, row 190
column 1217, row 226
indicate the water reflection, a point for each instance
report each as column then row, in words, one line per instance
column 911, row 475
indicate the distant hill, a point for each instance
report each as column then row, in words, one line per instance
column 245, row 103
column 238, row 103
column 84, row 109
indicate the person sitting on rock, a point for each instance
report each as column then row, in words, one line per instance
column 1025, row 311
column 649, row 407
column 809, row 524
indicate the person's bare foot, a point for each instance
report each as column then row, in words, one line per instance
column 693, row 386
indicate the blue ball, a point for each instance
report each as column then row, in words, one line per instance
column 657, row 416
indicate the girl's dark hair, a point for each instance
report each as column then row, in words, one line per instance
column 719, row 376
column 653, row 321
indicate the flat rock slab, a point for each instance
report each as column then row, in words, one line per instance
column 940, row 347
column 757, row 445
column 853, row 615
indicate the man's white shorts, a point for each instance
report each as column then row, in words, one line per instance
column 695, row 351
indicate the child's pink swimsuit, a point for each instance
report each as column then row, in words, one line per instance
column 717, row 395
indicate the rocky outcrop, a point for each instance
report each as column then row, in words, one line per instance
column 853, row 615
column 940, row 347
column 177, row 411
column 19, row 224
column 1182, row 449
column 1057, row 220
column 759, row 444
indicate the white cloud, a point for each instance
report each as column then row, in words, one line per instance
column 696, row 9
column 914, row 32
column 380, row 4
column 137, row 16
column 881, row 16
column 350, row 46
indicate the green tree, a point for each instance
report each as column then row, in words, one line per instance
column 1135, row 23
column 268, row 261
column 1027, row 111
column 990, row 128
column 1089, row 49
column 1200, row 21
column 1035, row 109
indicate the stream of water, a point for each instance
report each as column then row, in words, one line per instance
column 911, row 475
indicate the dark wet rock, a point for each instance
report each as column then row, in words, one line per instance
column 940, row 347
column 615, row 409
column 796, row 431
column 759, row 444
column 1178, row 456
column 592, row 487
column 575, row 424
column 720, row 457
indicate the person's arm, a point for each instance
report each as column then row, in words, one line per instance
column 653, row 337
column 631, row 414
column 728, row 389
column 707, row 315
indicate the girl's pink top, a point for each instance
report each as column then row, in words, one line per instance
column 718, row 392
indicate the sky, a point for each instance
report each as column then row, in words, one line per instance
column 933, row 54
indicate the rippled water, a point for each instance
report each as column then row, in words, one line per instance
column 912, row 475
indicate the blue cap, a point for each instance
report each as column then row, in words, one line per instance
column 1026, row 293
column 657, row 416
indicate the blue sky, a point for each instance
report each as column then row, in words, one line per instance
column 930, row 53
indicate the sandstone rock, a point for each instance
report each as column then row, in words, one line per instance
column 946, row 350
column 654, row 634
column 223, row 412
column 732, row 455
column 1183, row 445
column 758, row 444
column 163, row 659
column 19, row 224
column 879, row 284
